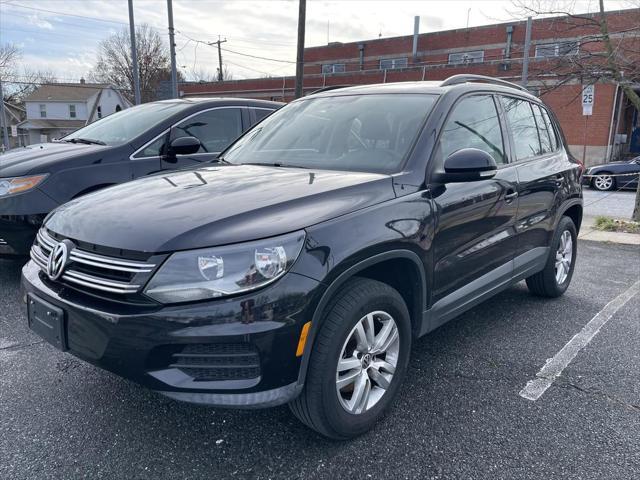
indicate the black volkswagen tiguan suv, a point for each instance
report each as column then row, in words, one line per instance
column 301, row 268
column 129, row 144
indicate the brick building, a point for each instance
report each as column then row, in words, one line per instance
column 565, row 54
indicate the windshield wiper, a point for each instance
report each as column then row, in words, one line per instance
column 88, row 141
column 275, row 164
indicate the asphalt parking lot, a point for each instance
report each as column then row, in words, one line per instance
column 618, row 204
column 459, row 415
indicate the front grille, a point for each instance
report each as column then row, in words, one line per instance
column 93, row 271
column 218, row 362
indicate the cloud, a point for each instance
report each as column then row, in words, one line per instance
column 38, row 21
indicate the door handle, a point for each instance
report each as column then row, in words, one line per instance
column 510, row 196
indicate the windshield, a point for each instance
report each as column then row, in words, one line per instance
column 122, row 127
column 371, row 133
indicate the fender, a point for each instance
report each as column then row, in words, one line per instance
column 316, row 319
column 566, row 205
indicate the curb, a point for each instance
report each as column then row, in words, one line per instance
column 588, row 232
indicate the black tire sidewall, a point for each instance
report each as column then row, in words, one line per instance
column 341, row 421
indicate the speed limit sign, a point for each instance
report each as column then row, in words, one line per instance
column 588, row 93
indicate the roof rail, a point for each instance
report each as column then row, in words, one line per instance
column 328, row 88
column 458, row 79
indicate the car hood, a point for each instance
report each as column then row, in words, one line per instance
column 216, row 205
column 40, row 157
column 605, row 165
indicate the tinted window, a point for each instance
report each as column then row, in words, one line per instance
column 473, row 123
column 348, row 132
column 523, row 127
column 552, row 131
column 154, row 149
column 122, row 127
column 215, row 129
column 261, row 113
column 543, row 131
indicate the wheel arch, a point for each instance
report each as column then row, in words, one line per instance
column 412, row 287
column 574, row 211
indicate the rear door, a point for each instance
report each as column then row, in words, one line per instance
column 474, row 241
column 543, row 178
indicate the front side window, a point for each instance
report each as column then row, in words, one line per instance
column 43, row 110
column 215, row 129
column 124, row 126
column 391, row 63
column 369, row 133
column 523, row 127
column 552, row 131
column 463, row 58
column 473, row 123
column 72, row 111
column 333, row 68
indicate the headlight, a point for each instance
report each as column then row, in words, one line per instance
column 9, row 186
column 220, row 271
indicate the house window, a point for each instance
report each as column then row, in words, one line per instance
column 99, row 111
column 391, row 63
column 333, row 68
column 558, row 49
column 72, row 111
column 463, row 58
column 43, row 110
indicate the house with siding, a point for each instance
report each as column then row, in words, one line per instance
column 57, row 109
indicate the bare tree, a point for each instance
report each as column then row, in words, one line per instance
column 604, row 53
column 114, row 62
column 9, row 56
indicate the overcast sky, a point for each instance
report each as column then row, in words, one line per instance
column 63, row 35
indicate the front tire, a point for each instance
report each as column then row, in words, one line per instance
column 603, row 182
column 358, row 361
column 556, row 276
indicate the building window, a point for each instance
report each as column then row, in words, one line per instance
column 463, row 58
column 391, row 63
column 43, row 110
column 99, row 111
column 558, row 49
column 333, row 68
column 72, row 111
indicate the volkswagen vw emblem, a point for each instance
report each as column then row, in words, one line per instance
column 58, row 259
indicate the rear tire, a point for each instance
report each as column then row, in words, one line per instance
column 556, row 276
column 345, row 394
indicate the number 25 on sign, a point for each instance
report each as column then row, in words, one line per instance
column 588, row 93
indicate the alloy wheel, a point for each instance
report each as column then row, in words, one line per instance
column 564, row 256
column 367, row 362
column 603, row 182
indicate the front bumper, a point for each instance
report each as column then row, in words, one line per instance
column 146, row 344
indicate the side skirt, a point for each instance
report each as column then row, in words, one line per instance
column 483, row 288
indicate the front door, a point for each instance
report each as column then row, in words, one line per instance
column 474, row 239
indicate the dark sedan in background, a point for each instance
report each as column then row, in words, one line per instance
column 614, row 175
column 135, row 142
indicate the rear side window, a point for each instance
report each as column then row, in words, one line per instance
column 523, row 127
column 215, row 129
column 473, row 123
column 543, row 130
column 552, row 131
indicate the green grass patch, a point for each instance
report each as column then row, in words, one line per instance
column 607, row 224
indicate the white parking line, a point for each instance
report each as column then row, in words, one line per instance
column 554, row 366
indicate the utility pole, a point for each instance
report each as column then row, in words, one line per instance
column 302, row 12
column 134, row 55
column 3, row 121
column 172, row 51
column 220, row 76
column 525, row 61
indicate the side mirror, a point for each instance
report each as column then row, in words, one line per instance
column 183, row 146
column 467, row 165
